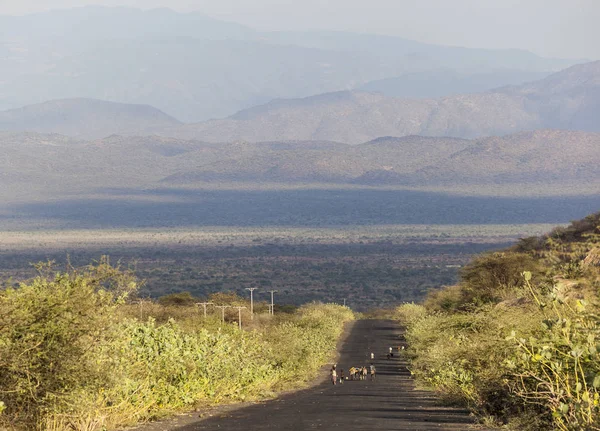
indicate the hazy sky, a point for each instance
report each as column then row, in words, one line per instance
column 560, row 28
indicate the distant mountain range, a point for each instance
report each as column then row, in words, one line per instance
column 54, row 165
column 446, row 82
column 549, row 156
column 196, row 68
column 86, row 118
column 568, row 100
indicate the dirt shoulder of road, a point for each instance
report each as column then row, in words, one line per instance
column 222, row 410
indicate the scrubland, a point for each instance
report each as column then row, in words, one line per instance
column 517, row 339
column 77, row 353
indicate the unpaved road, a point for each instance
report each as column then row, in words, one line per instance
column 388, row 403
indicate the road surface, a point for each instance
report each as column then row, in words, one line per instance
column 390, row 402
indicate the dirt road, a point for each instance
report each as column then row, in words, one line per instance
column 390, row 402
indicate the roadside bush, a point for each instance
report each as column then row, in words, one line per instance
column 489, row 278
column 558, row 367
column 73, row 356
column 47, row 328
column 522, row 346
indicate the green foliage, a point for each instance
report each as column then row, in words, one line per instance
column 178, row 299
column 491, row 276
column 46, row 330
column 559, row 366
column 519, row 338
column 73, row 355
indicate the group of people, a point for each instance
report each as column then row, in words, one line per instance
column 355, row 373
column 359, row 373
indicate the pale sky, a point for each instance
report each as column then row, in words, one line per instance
column 552, row 28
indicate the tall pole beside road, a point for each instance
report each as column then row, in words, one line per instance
column 204, row 305
column 251, row 289
column 222, row 307
column 239, row 309
column 272, row 303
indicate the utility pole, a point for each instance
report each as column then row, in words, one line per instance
column 141, row 302
column 251, row 289
column 344, row 302
column 204, row 305
column 222, row 307
column 272, row 303
column 239, row 309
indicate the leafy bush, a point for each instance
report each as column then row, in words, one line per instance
column 46, row 330
column 74, row 356
column 559, row 366
column 178, row 299
column 522, row 346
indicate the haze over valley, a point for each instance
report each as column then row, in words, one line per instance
column 121, row 118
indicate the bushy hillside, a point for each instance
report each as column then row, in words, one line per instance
column 517, row 339
column 542, row 162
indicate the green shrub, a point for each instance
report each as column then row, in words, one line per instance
column 178, row 299
column 558, row 367
column 74, row 356
column 46, row 330
column 518, row 339
column 489, row 277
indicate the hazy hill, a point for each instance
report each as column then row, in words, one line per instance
column 544, row 156
column 356, row 117
column 423, row 56
column 569, row 99
column 548, row 157
column 447, row 82
column 197, row 68
column 57, row 164
column 86, row 118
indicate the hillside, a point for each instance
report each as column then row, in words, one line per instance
column 448, row 82
column 546, row 161
column 569, row 99
column 86, row 118
column 197, row 68
column 521, row 324
column 547, row 158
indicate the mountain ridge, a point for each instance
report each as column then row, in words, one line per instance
column 196, row 67
column 355, row 117
column 547, row 161
column 86, row 118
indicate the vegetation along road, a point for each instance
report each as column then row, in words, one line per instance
column 390, row 402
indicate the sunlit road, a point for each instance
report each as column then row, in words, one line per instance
column 388, row 403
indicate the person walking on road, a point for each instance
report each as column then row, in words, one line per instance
column 372, row 355
column 342, row 376
column 333, row 375
column 372, row 369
